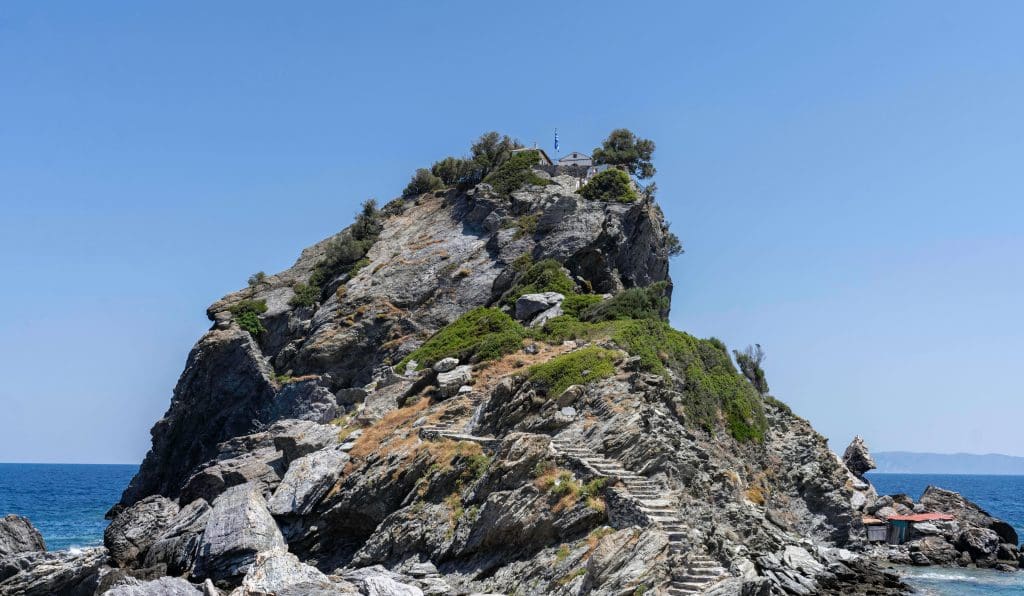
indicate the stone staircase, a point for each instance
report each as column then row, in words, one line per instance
column 458, row 430
column 695, row 571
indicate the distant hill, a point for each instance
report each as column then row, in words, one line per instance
column 905, row 462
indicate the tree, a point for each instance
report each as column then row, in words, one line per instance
column 257, row 279
column 491, row 149
column 422, row 181
column 625, row 150
column 455, row 171
column 750, row 361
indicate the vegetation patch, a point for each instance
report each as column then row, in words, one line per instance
column 526, row 226
column 516, row 172
column 635, row 303
column 575, row 304
column 247, row 314
column 542, row 276
column 611, row 185
column 305, row 295
column 573, row 368
column 710, row 381
column 346, row 254
column 480, row 334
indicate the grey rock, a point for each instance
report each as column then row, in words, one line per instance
column 981, row 543
column 547, row 315
column 238, row 527
column 307, row 480
column 63, row 573
column 529, row 305
column 165, row 586
column 448, row 383
column 277, row 569
column 297, row 439
column 18, row 535
column 130, row 535
column 858, row 458
column 445, row 364
column 177, row 546
column 966, row 512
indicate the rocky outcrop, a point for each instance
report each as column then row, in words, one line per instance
column 164, row 586
column 130, row 535
column 297, row 461
column 857, row 458
column 60, row 573
column 238, row 528
column 18, row 535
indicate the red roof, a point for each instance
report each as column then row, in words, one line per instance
column 922, row 517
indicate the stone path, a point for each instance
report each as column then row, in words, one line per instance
column 457, row 430
column 689, row 576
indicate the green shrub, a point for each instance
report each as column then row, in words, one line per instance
column 257, row 279
column 711, row 384
column 635, row 303
column 247, row 314
column 515, row 172
column 347, row 252
column 522, row 262
column 593, row 488
column 542, row 276
column 575, row 304
column 609, row 185
column 624, row 149
column 422, row 182
column 305, row 295
column 480, row 334
column 573, row 368
column 526, row 226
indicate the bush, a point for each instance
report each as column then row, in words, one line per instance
column 347, row 252
column 515, row 172
column 750, row 361
column 635, row 303
column 480, row 334
column 575, row 304
column 305, row 295
column 573, row 368
column 542, row 276
column 624, row 149
column 458, row 172
column 247, row 314
column 257, row 279
column 711, row 384
column 422, row 182
column 610, row 185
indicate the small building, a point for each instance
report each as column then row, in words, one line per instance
column 901, row 526
column 544, row 159
column 576, row 159
column 877, row 529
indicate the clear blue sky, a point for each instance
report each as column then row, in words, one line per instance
column 846, row 179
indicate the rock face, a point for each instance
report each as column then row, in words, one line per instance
column 857, row 458
column 238, row 528
column 18, row 535
column 298, row 461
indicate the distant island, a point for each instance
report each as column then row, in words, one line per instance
column 906, row 462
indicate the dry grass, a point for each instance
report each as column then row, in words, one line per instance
column 382, row 435
column 755, row 494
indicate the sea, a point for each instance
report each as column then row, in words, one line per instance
column 67, row 503
column 1001, row 496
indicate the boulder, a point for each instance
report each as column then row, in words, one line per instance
column 130, row 535
column 177, row 546
column 529, row 305
column 64, row 573
column 981, row 543
column 296, row 439
column 165, row 586
column 278, row 570
column 857, row 458
column 237, row 529
column 445, row 364
column 307, row 480
column 18, row 535
column 966, row 512
column 935, row 548
column 547, row 315
column 448, row 383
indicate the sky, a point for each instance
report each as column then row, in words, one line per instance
column 845, row 177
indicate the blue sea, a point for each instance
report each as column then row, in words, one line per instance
column 1001, row 496
column 65, row 501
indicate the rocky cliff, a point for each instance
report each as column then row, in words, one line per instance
column 471, row 391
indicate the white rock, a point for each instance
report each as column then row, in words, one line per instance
column 529, row 305
column 801, row 560
column 307, row 480
column 382, row 585
column 410, row 367
column 446, row 364
column 449, row 382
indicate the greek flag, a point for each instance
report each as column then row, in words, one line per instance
column 556, row 140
